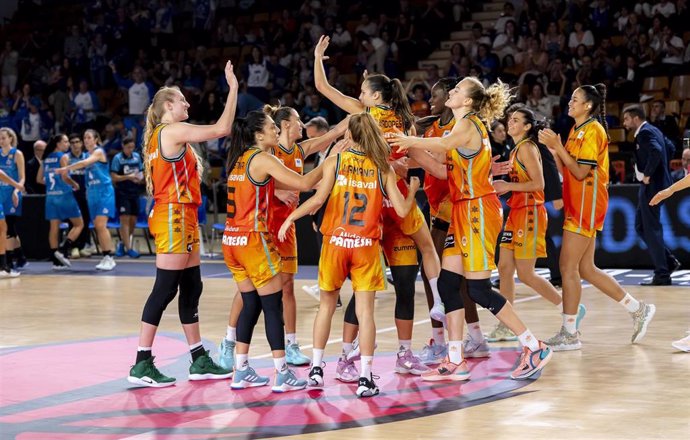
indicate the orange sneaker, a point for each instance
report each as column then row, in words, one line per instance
column 532, row 361
column 447, row 371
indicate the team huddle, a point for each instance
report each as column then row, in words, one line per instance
column 370, row 219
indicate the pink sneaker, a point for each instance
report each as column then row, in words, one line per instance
column 408, row 363
column 532, row 362
column 346, row 371
column 447, row 371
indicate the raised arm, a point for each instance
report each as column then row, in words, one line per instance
column 402, row 205
column 322, row 142
column 347, row 103
column 177, row 134
column 429, row 163
column 315, row 202
column 265, row 165
column 96, row 156
column 460, row 136
column 668, row 192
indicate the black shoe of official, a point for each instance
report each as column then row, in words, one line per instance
column 657, row 282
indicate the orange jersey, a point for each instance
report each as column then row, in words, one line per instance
column 389, row 122
column 354, row 207
column 248, row 200
column 469, row 172
column 175, row 180
column 294, row 160
column 437, row 189
column 586, row 200
column 519, row 174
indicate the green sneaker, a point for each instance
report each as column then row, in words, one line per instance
column 204, row 368
column 146, row 374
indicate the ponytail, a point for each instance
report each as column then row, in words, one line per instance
column 52, row 144
column 596, row 95
column 490, row 103
column 278, row 113
column 393, row 93
column 243, row 136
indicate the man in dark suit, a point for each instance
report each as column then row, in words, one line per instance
column 685, row 169
column 652, row 168
column 31, row 185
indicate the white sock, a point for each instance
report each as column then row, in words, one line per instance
column 279, row 364
column 455, row 351
column 195, row 346
column 439, row 336
column 290, row 338
column 433, row 283
column 347, row 348
column 143, row 348
column 475, row 332
column 569, row 322
column 241, row 362
column 528, row 340
column 317, row 357
column 231, row 334
column 365, row 366
column 404, row 345
column 630, row 303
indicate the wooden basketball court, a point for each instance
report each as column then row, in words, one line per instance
column 68, row 341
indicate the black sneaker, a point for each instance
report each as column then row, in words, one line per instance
column 367, row 387
column 315, row 378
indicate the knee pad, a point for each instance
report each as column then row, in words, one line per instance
column 273, row 318
column 164, row 290
column 11, row 221
column 481, row 292
column 190, row 292
column 249, row 316
column 351, row 313
column 449, row 290
column 404, row 277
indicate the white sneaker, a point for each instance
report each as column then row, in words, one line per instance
column 313, row 291
column 9, row 273
column 74, row 254
column 59, row 267
column 682, row 344
column 107, row 263
column 62, row 259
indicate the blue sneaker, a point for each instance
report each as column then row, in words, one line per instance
column 287, row 381
column 133, row 254
column 581, row 312
column 120, row 250
column 294, row 356
column 226, row 354
column 247, row 379
column 433, row 353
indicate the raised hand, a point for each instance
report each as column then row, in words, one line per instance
column 230, row 75
column 549, row 138
column 321, row 47
column 414, row 184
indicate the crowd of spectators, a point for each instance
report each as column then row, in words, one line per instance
column 99, row 66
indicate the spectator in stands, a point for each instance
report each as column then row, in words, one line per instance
column 666, row 123
column 508, row 42
column 476, row 39
column 75, row 46
column 579, row 36
column 665, row 8
column 488, row 62
column 9, row 61
column 534, row 58
column 86, row 106
column 684, row 170
column 670, row 48
column 367, row 26
column 507, row 14
column 539, row 102
column 628, row 81
column 651, row 164
column 314, row 109
column 126, row 170
column 139, row 90
column 341, row 38
column 419, row 103
column 257, row 75
column 97, row 62
column 33, row 126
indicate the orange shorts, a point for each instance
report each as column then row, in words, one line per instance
column 525, row 232
column 443, row 212
column 399, row 249
column 573, row 225
column 363, row 264
column 287, row 250
column 473, row 232
column 409, row 224
column 175, row 228
column 251, row 255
